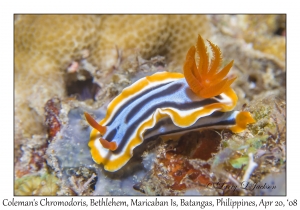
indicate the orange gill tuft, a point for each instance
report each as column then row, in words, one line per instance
column 205, row 79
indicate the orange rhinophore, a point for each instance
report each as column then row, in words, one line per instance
column 112, row 146
column 94, row 124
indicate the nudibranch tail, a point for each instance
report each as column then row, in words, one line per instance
column 242, row 120
column 94, row 124
column 205, row 79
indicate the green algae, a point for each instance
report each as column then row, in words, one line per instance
column 46, row 184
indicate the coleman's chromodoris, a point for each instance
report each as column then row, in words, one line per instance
column 167, row 103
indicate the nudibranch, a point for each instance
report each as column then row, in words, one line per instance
column 167, row 103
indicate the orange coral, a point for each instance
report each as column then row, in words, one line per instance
column 204, row 79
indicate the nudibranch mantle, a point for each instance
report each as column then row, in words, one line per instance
column 162, row 104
